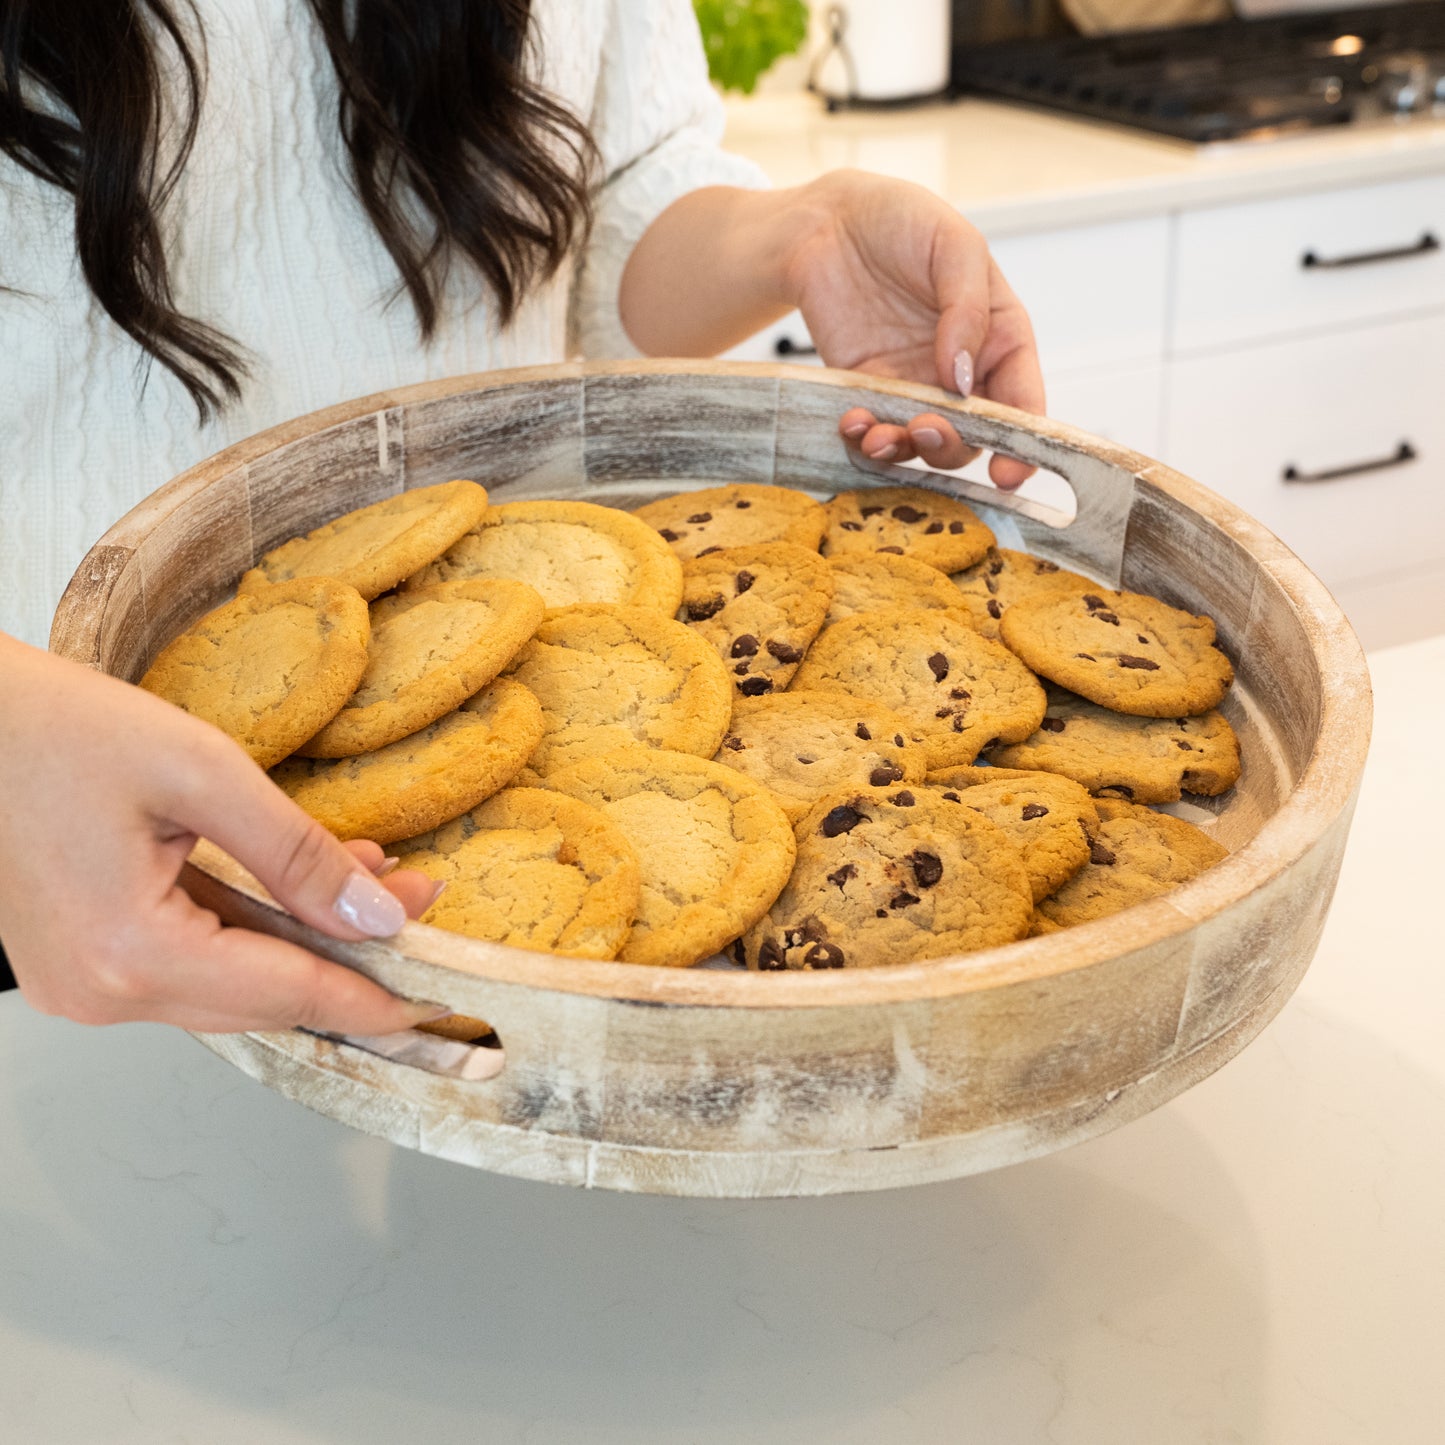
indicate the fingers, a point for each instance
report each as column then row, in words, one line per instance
column 934, row 439
column 928, row 436
column 416, row 891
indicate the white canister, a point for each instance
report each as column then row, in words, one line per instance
column 883, row 49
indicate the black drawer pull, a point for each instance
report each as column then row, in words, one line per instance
column 1313, row 261
column 786, row 346
column 1402, row 454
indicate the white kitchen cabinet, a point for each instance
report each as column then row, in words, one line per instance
column 1336, row 442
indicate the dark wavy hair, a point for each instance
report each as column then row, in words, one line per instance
column 454, row 150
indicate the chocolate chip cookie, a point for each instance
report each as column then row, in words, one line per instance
column 956, row 690
column 800, row 745
column 607, row 677
column 373, row 548
column 1004, row 577
column 760, row 607
column 1123, row 650
column 693, row 523
column 533, row 869
column 269, row 669
column 1136, row 854
column 892, row 875
column 906, row 521
column 570, row 552
column 713, row 846
column 1142, row 760
column 871, row 581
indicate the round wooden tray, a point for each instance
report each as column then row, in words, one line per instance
column 708, row 1082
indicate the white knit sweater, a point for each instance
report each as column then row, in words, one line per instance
column 270, row 245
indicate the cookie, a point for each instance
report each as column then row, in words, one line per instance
column 801, row 745
column 1142, row 760
column 571, row 553
column 759, row 607
column 373, row 548
column 424, row 780
column 871, row 581
column 956, row 690
column 610, row 677
column 1122, row 650
column 739, row 516
column 1137, row 854
column 713, row 846
column 430, row 651
column 1004, row 577
column 892, row 875
column 532, row 869
column 906, row 521
column 1050, row 820
column 269, row 670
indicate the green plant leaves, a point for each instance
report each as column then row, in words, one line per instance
column 744, row 37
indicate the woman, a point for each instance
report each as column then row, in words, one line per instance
column 214, row 216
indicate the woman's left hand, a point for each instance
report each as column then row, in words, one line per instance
column 893, row 281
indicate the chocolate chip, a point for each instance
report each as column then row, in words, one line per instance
column 806, row 761
column 1099, row 854
column 882, row 913
column 770, row 956
column 745, row 646
column 905, row 799
column 994, row 610
column 1041, row 566
column 733, row 743
column 709, row 607
column 905, row 513
column 755, row 686
column 745, row 580
column 841, row 875
column 1087, row 656
column 897, row 551
column 861, row 731
column 784, row 651
column 1093, row 603
column 1116, row 790
column 958, row 724
column 933, row 529
column 897, row 740
column 944, row 711
column 1034, row 810
column 960, row 694
column 902, row 899
column 953, row 797
column 955, row 527
column 1139, row 663
column 708, row 551
column 824, row 955
column 742, row 506
column 1052, row 724
column 842, row 819
column 699, row 518
column 869, row 511
column 938, row 665
column 1107, row 617
column 1182, row 745
column 927, row 868
column 668, row 535
column 740, row 954
column 851, row 526
column 742, row 668
column 1142, row 638
column 995, row 567
column 884, row 774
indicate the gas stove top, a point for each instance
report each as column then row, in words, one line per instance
column 1240, row 79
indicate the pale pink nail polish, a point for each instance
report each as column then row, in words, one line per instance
column 928, row 436
column 886, row 454
column 368, row 907
column 963, row 373
column 437, row 893
column 387, row 865
column 856, row 430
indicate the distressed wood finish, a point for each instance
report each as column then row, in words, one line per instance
column 715, row 1083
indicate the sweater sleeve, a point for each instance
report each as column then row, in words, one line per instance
column 657, row 122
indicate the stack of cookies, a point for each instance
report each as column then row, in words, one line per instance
column 814, row 735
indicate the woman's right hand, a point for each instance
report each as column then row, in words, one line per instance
column 104, row 790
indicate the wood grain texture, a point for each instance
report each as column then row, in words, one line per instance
column 719, row 1083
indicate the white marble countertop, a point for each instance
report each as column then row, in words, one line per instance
column 187, row 1257
column 1012, row 168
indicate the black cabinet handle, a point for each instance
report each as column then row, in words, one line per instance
column 1398, row 458
column 786, row 346
column 1313, row 261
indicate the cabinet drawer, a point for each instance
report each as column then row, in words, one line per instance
column 1357, row 417
column 1306, row 263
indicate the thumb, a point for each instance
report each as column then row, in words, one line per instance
column 305, row 869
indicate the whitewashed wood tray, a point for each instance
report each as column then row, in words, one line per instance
column 707, row 1082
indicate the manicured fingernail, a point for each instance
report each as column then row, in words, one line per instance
column 437, row 892
column 856, row 430
column 927, row 436
column 387, row 865
column 963, row 373
column 884, row 454
column 368, row 907
column 427, row 1013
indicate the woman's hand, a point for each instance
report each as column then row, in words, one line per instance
column 890, row 280
column 104, row 790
